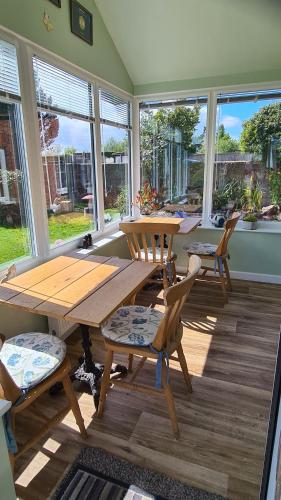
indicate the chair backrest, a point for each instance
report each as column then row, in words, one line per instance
column 8, row 389
column 143, row 235
column 10, row 273
column 174, row 298
column 229, row 227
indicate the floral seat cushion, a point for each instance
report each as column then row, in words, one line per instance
column 133, row 325
column 31, row 357
column 199, row 248
column 157, row 253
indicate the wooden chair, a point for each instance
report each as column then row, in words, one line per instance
column 217, row 253
column 151, row 334
column 142, row 239
column 21, row 400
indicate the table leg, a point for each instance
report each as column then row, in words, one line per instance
column 90, row 372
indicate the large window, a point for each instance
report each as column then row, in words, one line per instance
column 172, row 135
column 116, row 163
column 247, row 169
column 15, row 226
column 66, row 124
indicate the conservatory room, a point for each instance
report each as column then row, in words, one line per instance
column 140, row 250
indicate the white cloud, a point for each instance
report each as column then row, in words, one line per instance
column 231, row 121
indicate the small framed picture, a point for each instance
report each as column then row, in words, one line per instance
column 81, row 21
column 56, row 2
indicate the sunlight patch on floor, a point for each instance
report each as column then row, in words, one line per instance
column 51, row 445
column 38, row 463
column 87, row 407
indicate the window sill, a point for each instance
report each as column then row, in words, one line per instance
column 262, row 227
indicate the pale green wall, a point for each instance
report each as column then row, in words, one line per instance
column 13, row 322
column 7, row 491
column 211, row 82
column 102, row 59
column 250, row 251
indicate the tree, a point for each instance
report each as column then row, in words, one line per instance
column 70, row 150
column 48, row 122
column 114, row 146
column 49, row 129
column 225, row 143
column 261, row 130
column 162, row 128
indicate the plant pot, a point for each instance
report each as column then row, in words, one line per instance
column 248, row 225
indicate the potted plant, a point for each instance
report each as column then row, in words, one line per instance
column 249, row 221
column 147, row 199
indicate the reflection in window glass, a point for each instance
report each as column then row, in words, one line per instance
column 14, row 221
column 115, row 164
column 172, row 138
column 247, row 170
column 66, row 146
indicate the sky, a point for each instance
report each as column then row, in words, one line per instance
column 76, row 133
column 232, row 116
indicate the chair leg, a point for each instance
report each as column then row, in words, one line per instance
column 165, row 279
column 130, row 362
column 227, row 273
column 68, row 388
column 105, row 382
column 174, row 272
column 138, row 369
column 170, row 401
column 222, row 281
column 12, row 461
column 184, row 368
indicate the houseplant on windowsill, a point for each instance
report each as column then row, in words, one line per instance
column 249, row 221
column 147, row 199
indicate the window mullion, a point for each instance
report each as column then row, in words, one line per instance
column 136, row 166
column 209, row 156
column 33, row 151
column 98, row 162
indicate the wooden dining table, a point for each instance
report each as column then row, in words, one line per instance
column 187, row 224
column 83, row 289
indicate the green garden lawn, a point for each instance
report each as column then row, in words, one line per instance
column 14, row 242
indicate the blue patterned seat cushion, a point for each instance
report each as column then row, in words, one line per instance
column 133, row 325
column 31, row 357
column 199, row 248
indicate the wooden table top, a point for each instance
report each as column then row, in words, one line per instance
column 187, row 224
column 80, row 289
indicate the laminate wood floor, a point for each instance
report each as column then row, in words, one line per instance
column 231, row 353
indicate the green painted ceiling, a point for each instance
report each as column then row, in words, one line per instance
column 172, row 40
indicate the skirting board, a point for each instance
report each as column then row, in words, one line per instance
column 239, row 275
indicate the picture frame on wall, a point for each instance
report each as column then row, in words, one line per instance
column 81, row 20
column 56, row 2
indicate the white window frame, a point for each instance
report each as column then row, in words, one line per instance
column 25, row 51
column 3, row 167
column 212, row 94
column 131, row 166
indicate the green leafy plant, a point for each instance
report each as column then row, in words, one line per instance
column 232, row 191
column 252, row 197
column 275, row 187
column 250, row 218
column 122, row 201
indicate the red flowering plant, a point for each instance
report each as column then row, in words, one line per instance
column 147, row 199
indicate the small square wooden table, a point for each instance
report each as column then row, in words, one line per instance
column 80, row 289
column 187, row 224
